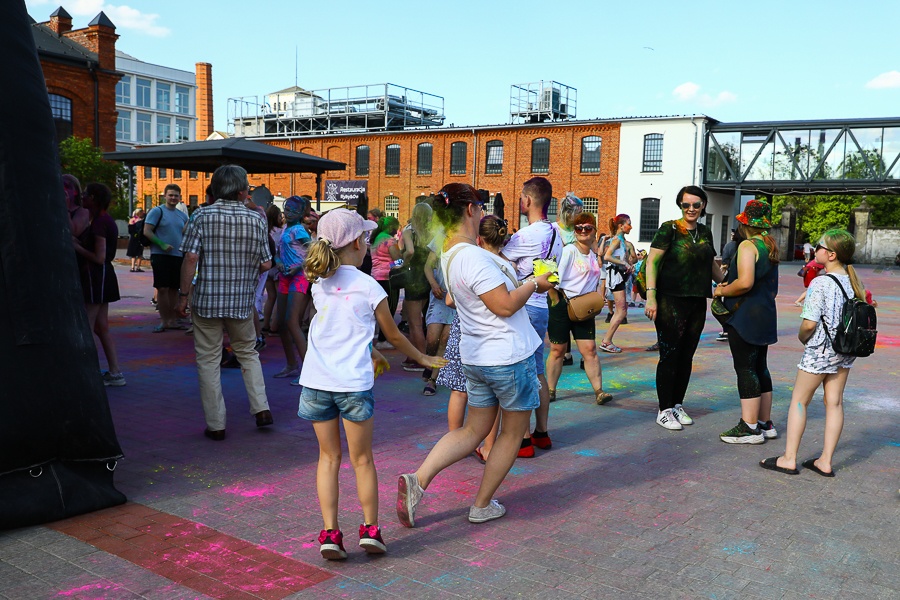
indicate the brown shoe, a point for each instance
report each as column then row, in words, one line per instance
column 264, row 418
column 216, row 436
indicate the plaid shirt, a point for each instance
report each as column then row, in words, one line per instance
column 231, row 241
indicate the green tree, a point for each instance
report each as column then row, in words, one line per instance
column 79, row 157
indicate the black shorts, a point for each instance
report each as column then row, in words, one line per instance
column 166, row 271
column 559, row 326
column 620, row 287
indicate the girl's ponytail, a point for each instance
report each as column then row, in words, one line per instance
column 321, row 261
column 843, row 244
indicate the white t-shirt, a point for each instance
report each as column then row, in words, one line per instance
column 339, row 356
column 578, row 273
column 529, row 243
column 487, row 339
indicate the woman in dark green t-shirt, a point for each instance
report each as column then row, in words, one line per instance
column 680, row 269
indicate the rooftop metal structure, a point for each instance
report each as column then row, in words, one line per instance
column 541, row 101
column 364, row 108
column 804, row 157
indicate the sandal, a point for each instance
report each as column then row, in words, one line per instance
column 480, row 456
column 552, row 395
column 603, row 397
column 288, row 371
column 159, row 329
column 429, row 390
column 610, row 347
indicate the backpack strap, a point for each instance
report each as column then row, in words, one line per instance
column 552, row 240
column 846, row 299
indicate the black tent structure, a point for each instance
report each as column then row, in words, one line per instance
column 58, row 446
column 208, row 155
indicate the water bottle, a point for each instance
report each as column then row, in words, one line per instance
column 397, row 263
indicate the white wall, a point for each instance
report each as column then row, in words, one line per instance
column 682, row 161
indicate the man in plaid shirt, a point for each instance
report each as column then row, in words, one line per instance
column 226, row 245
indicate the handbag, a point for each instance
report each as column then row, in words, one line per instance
column 586, row 306
column 400, row 276
column 721, row 312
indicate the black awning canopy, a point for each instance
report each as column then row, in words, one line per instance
column 208, row 155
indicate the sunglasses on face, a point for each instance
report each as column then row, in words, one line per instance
column 585, row 229
column 694, row 205
column 825, row 248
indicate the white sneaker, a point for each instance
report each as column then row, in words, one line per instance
column 667, row 419
column 409, row 494
column 494, row 510
column 768, row 429
column 385, row 345
column 682, row 416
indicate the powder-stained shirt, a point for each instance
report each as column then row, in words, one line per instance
column 686, row 268
column 231, row 241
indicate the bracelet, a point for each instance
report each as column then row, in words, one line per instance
column 648, row 289
column 535, row 285
column 182, row 294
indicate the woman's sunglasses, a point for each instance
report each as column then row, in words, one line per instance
column 585, row 229
column 694, row 205
column 825, row 248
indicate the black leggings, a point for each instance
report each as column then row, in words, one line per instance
column 753, row 377
column 679, row 323
column 392, row 299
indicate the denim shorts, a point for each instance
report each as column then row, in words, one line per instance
column 514, row 387
column 539, row 318
column 319, row 405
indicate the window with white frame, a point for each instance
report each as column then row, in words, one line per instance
column 591, row 205
column 123, row 90
column 142, row 92
column 163, row 96
column 182, row 130
column 144, row 131
column 392, row 206
column 590, row 154
column 123, row 125
column 163, row 130
column 182, row 99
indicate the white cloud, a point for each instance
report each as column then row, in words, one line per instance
column 690, row 92
column 686, row 91
column 122, row 16
column 888, row 80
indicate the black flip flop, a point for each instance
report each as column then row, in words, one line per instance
column 811, row 465
column 772, row 465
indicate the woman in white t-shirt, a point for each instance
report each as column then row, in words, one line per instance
column 579, row 273
column 340, row 369
column 497, row 352
column 820, row 364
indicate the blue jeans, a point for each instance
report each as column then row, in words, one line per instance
column 514, row 387
column 321, row 405
column 539, row 318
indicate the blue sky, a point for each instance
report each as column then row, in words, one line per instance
column 734, row 61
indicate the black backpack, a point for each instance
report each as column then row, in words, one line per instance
column 856, row 331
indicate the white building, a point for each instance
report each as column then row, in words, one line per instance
column 156, row 104
column 657, row 157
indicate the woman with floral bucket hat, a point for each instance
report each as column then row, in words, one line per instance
column 751, row 323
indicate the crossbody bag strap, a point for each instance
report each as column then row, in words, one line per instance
column 552, row 240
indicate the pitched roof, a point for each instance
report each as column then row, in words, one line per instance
column 60, row 48
column 103, row 20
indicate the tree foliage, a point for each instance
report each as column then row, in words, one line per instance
column 818, row 213
column 79, row 157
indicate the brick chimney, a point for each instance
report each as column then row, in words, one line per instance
column 204, row 100
column 100, row 38
column 60, row 21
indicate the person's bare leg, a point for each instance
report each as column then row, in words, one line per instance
column 503, row 455
column 617, row 318
column 329, row 435
column 414, row 321
column 555, row 364
column 165, row 300
column 458, row 444
column 592, row 368
column 542, row 412
column 456, row 409
column 284, row 332
column 765, row 407
column 268, row 309
column 101, row 328
column 488, row 445
column 750, row 411
column 359, row 443
column 804, row 387
column 834, row 417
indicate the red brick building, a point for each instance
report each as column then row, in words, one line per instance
column 79, row 67
column 579, row 157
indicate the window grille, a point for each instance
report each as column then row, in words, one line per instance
column 362, row 161
column 653, row 151
column 494, row 163
column 590, row 154
column 392, row 160
column 649, row 219
column 591, row 205
column 540, row 155
column 61, row 109
column 458, row 151
column 424, row 154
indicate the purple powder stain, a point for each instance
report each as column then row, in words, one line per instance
column 81, row 591
column 249, row 492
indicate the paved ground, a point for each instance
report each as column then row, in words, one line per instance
column 619, row 508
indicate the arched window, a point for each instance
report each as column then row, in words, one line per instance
column 653, row 152
column 392, row 160
column 362, row 161
column 590, row 154
column 61, row 109
column 540, row 155
column 334, row 153
column 458, row 151
column 424, row 154
column 649, row 219
column 494, row 162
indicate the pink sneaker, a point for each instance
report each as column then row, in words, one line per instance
column 331, row 544
column 370, row 539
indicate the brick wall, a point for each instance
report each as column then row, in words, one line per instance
column 564, row 168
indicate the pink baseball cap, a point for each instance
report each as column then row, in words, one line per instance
column 341, row 226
